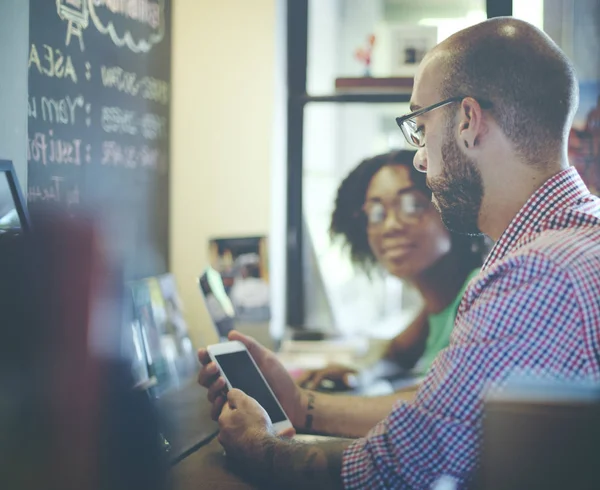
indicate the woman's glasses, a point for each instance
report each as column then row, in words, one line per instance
column 408, row 208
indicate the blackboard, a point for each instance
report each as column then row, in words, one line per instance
column 98, row 120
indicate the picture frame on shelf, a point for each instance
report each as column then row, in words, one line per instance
column 402, row 47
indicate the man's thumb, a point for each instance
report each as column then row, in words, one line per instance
column 234, row 397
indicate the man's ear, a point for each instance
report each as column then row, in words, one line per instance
column 471, row 124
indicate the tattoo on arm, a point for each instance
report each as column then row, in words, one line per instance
column 289, row 464
column 309, row 415
column 293, row 465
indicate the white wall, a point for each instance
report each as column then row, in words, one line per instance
column 221, row 134
column 14, row 50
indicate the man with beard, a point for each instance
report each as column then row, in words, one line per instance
column 492, row 105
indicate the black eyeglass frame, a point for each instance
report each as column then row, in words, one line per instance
column 402, row 119
column 457, row 98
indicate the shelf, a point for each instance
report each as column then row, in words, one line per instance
column 374, row 84
column 373, row 97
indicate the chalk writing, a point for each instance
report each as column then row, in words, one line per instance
column 45, row 193
column 156, row 90
column 122, row 121
column 61, row 111
column 117, row 120
column 130, row 156
column 75, row 12
column 45, row 149
column 54, row 191
column 152, row 126
column 53, row 63
column 143, row 11
column 123, row 81
column 127, row 82
column 32, row 107
column 147, row 12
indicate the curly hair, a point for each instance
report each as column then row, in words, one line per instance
column 349, row 223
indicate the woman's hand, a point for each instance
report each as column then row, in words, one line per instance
column 337, row 376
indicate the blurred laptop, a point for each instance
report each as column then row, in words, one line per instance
column 300, row 355
column 541, row 434
column 14, row 218
column 217, row 302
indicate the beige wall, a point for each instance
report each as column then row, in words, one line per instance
column 222, row 115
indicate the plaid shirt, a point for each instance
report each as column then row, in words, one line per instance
column 534, row 306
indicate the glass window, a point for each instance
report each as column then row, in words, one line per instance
column 336, row 138
column 404, row 30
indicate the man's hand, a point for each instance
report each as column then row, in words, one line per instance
column 282, row 384
column 243, row 425
column 249, row 439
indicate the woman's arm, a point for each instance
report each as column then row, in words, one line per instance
column 408, row 346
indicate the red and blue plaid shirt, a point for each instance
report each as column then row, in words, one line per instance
column 535, row 306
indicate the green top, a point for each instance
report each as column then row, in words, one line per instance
column 440, row 328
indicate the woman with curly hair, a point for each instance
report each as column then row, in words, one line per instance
column 384, row 215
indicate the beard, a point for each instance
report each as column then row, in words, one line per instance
column 458, row 192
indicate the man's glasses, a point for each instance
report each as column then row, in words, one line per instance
column 408, row 208
column 414, row 135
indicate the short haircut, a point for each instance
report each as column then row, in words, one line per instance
column 530, row 83
column 349, row 222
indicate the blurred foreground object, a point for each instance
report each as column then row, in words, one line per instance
column 541, row 435
column 68, row 416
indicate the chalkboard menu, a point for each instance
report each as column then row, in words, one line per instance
column 99, row 73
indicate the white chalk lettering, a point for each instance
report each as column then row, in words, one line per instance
column 143, row 11
column 61, row 111
column 117, row 120
column 32, row 107
column 119, row 79
column 152, row 126
column 155, row 90
column 44, row 148
column 129, row 156
column 149, row 88
column 54, row 63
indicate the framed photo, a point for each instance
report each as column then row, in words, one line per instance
column 407, row 45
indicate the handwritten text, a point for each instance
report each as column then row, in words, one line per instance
column 127, row 82
column 45, row 149
column 53, row 63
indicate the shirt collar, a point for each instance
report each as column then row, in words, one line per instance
column 561, row 191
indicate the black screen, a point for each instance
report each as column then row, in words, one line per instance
column 243, row 375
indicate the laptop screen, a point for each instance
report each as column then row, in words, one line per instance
column 9, row 217
column 13, row 211
column 218, row 304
